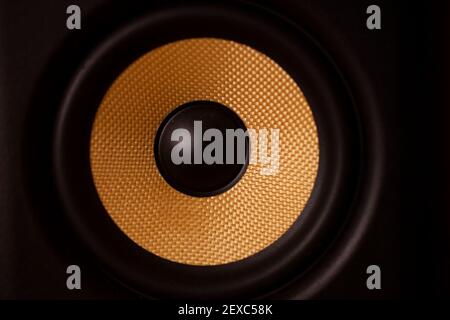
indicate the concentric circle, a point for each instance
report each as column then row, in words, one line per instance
column 230, row 226
column 315, row 227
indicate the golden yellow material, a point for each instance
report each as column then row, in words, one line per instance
column 228, row 227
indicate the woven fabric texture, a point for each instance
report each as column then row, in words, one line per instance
column 221, row 229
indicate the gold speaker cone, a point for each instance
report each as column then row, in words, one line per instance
column 221, row 229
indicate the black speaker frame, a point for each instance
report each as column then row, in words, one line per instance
column 395, row 216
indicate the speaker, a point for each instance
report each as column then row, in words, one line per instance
column 220, row 150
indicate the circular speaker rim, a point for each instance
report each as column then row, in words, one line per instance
column 243, row 278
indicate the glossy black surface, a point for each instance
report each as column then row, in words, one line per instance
column 201, row 179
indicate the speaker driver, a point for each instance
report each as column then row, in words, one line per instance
column 247, row 234
column 219, row 228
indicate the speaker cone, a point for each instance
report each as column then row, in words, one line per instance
column 218, row 229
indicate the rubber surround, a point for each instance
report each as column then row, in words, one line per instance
column 303, row 243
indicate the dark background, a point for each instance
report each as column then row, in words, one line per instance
column 406, row 62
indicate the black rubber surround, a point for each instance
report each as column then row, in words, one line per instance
column 333, row 192
column 201, row 179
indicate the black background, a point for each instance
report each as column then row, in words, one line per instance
column 406, row 62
